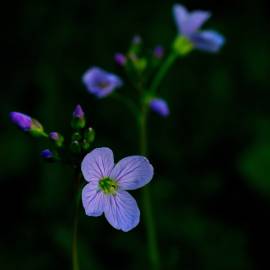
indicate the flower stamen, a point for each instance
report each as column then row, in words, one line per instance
column 108, row 185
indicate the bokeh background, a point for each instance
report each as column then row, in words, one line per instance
column 211, row 191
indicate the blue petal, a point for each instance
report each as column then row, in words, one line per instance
column 181, row 15
column 121, row 211
column 97, row 164
column 188, row 23
column 132, row 172
column 209, row 41
column 93, row 200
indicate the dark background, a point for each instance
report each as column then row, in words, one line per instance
column 211, row 156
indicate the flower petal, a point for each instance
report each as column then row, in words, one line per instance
column 132, row 172
column 181, row 16
column 209, row 41
column 196, row 20
column 122, row 211
column 188, row 23
column 93, row 200
column 97, row 164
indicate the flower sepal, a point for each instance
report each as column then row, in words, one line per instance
column 182, row 45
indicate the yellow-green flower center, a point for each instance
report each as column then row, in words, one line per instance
column 108, row 185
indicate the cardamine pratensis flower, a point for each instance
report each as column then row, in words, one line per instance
column 27, row 123
column 159, row 106
column 100, row 82
column 189, row 24
column 107, row 184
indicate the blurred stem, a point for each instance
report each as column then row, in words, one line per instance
column 128, row 103
column 162, row 71
column 75, row 260
column 147, row 207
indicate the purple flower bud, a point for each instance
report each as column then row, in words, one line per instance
column 78, row 112
column 159, row 106
column 23, row 121
column 54, row 136
column 120, row 59
column 78, row 120
column 47, row 154
column 158, row 52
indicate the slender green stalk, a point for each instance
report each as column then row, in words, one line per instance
column 128, row 103
column 75, row 260
column 147, row 207
column 162, row 71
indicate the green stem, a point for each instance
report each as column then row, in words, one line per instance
column 162, row 71
column 75, row 260
column 128, row 103
column 147, row 207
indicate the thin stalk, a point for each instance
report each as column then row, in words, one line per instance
column 131, row 106
column 147, row 207
column 75, row 260
column 163, row 71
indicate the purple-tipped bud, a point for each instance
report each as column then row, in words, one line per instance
column 136, row 40
column 78, row 120
column 158, row 52
column 57, row 138
column 78, row 112
column 159, row 106
column 54, row 136
column 120, row 59
column 23, row 121
column 46, row 154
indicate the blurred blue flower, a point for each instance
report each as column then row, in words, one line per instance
column 107, row 184
column 100, row 82
column 159, row 106
column 189, row 24
column 47, row 154
column 120, row 59
column 158, row 52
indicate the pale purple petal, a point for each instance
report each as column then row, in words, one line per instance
column 97, row 164
column 189, row 22
column 132, row 172
column 209, row 41
column 93, row 200
column 181, row 16
column 196, row 20
column 122, row 211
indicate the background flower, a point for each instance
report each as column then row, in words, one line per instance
column 100, row 82
column 189, row 24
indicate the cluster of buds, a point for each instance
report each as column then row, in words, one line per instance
column 133, row 61
column 69, row 151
